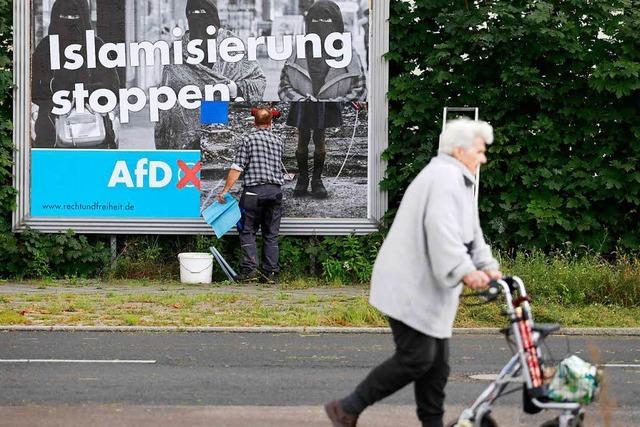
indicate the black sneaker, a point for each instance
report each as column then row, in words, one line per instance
column 270, row 278
column 248, row 276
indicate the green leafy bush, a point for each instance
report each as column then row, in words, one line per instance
column 349, row 259
column 298, row 255
column 346, row 259
column 559, row 81
column 7, row 194
column 31, row 254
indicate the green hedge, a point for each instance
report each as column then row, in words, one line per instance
column 346, row 259
column 559, row 81
column 6, row 80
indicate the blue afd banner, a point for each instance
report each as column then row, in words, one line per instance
column 115, row 183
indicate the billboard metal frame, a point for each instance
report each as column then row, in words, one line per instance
column 378, row 142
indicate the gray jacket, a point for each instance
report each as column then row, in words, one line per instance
column 341, row 84
column 434, row 241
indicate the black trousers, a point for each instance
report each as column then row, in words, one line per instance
column 419, row 359
column 265, row 213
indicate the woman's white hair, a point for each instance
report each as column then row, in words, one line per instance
column 462, row 133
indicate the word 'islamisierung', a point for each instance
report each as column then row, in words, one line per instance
column 230, row 49
column 337, row 46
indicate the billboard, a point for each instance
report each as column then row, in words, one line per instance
column 129, row 113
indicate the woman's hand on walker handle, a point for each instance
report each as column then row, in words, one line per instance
column 493, row 274
column 476, row 280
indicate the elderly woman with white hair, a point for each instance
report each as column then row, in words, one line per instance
column 433, row 247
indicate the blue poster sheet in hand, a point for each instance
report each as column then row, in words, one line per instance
column 222, row 216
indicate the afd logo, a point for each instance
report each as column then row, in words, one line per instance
column 154, row 174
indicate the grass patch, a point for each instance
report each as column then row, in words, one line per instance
column 11, row 317
column 268, row 309
column 595, row 315
column 575, row 291
column 578, row 280
column 283, row 296
column 130, row 319
column 356, row 312
column 144, row 269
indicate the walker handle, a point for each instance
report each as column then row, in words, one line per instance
column 488, row 295
column 493, row 292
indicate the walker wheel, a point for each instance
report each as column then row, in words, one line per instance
column 487, row 421
column 556, row 422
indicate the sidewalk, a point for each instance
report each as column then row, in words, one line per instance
column 241, row 416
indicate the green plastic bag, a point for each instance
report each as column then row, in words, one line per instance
column 574, row 381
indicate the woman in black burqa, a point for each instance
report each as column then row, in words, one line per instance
column 317, row 91
column 70, row 20
column 181, row 128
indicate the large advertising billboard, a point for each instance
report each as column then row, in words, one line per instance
column 129, row 113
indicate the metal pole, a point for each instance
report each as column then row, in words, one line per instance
column 476, row 187
column 476, row 116
column 114, row 250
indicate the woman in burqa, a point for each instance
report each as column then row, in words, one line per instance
column 70, row 20
column 179, row 128
column 316, row 91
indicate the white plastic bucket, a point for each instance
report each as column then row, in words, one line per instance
column 195, row 267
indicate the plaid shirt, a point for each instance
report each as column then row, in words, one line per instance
column 260, row 158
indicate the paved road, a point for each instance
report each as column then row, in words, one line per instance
column 253, row 379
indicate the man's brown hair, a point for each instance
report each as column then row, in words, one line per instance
column 262, row 116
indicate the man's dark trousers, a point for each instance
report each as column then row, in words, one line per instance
column 265, row 215
column 420, row 359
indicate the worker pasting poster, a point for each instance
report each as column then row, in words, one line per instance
column 131, row 76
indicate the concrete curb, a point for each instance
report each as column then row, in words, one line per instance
column 633, row 332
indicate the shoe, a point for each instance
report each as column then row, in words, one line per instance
column 337, row 415
column 248, row 276
column 269, row 278
column 301, row 186
column 317, row 189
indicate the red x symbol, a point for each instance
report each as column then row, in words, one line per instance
column 190, row 174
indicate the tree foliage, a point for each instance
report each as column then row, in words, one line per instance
column 558, row 80
column 7, row 195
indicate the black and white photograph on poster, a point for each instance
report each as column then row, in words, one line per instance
column 337, row 156
column 140, row 69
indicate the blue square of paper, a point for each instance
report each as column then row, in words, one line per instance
column 214, row 113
